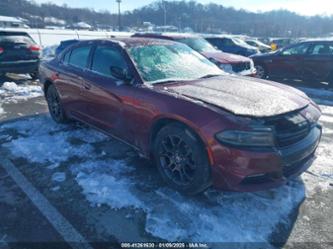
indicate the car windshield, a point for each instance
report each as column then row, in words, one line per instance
column 175, row 62
column 198, row 44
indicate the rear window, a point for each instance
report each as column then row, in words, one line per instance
column 17, row 39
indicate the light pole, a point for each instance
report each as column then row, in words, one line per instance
column 119, row 15
column 165, row 14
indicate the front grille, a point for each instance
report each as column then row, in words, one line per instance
column 242, row 66
column 289, row 129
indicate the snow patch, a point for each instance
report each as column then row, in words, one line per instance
column 11, row 92
column 46, row 142
column 241, row 217
column 105, row 182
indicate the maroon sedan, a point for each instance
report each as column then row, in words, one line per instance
column 308, row 60
column 200, row 125
column 230, row 63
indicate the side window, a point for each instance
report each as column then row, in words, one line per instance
column 79, row 57
column 297, row 50
column 106, row 57
column 322, row 49
column 65, row 58
column 218, row 42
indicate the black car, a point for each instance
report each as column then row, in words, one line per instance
column 308, row 60
column 19, row 53
column 232, row 45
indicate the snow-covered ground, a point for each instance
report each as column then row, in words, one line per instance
column 10, row 92
column 47, row 37
column 119, row 181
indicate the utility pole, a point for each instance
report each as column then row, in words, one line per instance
column 119, row 15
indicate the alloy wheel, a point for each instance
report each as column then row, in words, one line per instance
column 177, row 160
column 54, row 104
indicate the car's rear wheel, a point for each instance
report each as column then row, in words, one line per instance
column 55, row 108
column 261, row 71
column 182, row 159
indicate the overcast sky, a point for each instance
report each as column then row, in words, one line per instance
column 304, row 7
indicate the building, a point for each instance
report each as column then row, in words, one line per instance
column 12, row 22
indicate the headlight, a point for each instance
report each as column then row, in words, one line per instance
column 226, row 68
column 260, row 138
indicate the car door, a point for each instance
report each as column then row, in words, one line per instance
column 289, row 62
column 69, row 79
column 318, row 64
column 108, row 99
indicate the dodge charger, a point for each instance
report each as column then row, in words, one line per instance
column 200, row 125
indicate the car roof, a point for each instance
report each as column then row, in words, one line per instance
column 329, row 39
column 169, row 36
column 132, row 41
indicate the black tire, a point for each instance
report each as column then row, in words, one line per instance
column 182, row 159
column 261, row 71
column 34, row 76
column 55, row 108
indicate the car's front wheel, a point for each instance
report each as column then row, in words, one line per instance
column 182, row 159
column 261, row 72
column 55, row 108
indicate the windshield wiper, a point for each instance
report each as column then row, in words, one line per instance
column 166, row 81
column 210, row 76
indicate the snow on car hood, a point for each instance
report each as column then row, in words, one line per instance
column 244, row 96
column 225, row 57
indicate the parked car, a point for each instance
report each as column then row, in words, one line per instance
column 19, row 53
column 232, row 45
column 229, row 63
column 263, row 48
column 64, row 44
column 309, row 61
column 200, row 125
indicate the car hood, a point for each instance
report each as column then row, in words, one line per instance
column 243, row 95
column 225, row 57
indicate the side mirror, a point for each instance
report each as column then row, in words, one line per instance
column 121, row 74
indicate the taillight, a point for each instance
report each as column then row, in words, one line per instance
column 34, row 48
column 1, row 50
